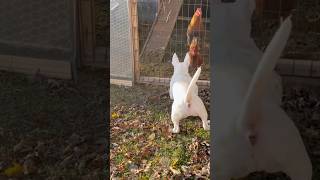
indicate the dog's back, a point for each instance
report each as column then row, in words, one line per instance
column 181, row 82
column 179, row 87
column 184, row 92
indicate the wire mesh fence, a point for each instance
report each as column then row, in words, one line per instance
column 163, row 35
column 121, row 63
column 163, row 25
column 301, row 57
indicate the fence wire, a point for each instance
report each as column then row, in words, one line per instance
column 302, row 53
column 121, row 60
column 157, row 64
column 301, row 57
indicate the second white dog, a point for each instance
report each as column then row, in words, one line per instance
column 184, row 92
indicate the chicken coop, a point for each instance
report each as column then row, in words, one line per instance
column 146, row 33
column 38, row 36
column 52, row 37
column 150, row 31
column 300, row 62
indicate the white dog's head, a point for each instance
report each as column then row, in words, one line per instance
column 180, row 67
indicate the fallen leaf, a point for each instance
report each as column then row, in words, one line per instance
column 14, row 170
column 115, row 115
column 175, row 171
column 152, row 136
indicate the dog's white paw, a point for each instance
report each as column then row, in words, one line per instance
column 175, row 130
column 206, row 127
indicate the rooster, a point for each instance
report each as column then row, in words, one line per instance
column 195, row 58
column 195, row 28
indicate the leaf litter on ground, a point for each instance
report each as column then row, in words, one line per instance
column 49, row 127
column 143, row 145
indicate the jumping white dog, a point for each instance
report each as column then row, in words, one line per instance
column 184, row 92
column 259, row 137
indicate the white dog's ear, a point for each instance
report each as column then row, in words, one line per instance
column 175, row 59
column 187, row 59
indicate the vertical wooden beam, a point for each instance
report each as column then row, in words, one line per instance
column 87, row 31
column 158, row 8
column 93, row 9
column 135, row 38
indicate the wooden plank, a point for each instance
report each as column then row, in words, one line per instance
column 166, row 81
column 285, row 67
column 302, row 68
column 93, row 18
column 50, row 68
column 121, row 82
column 299, row 67
column 161, row 30
column 87, row 30
column 301, row 81
column 100, row 55
column 316, row 69
column 135, row 38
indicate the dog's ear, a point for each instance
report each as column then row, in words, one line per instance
column 187, row 59
column 175, row 59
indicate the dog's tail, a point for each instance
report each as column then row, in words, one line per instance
column 192, row 85
column 263, row 73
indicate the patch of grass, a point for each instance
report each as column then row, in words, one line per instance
column 201, row 133
column 160, row 116
column 179, row 156
column 119, row 158
column 145, row 133
column 144, row 177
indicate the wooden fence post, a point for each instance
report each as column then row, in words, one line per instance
column 135, row 38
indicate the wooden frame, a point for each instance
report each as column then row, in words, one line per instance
column 299, row 68
column 134, row 38
column 27, row 65
column 166, row 81
column 90, row 53
column 121, row 82
column 87, row 31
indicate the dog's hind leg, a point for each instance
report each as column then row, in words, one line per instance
column 202, row 113
column 204, row 118
column 175, row 118
column 170, row 93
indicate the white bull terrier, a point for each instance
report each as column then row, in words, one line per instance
column 259, row 137
column 184, row 92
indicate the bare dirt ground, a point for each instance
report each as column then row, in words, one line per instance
column 53, row 129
